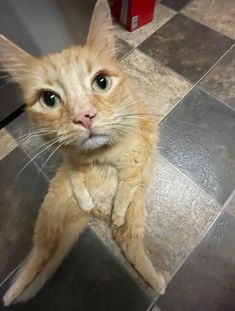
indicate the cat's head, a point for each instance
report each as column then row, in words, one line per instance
column 80, row 95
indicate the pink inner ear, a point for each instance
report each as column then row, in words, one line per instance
column 13, row 59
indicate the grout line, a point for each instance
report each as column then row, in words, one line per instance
column 11, row 273
column 209, row 27
column 225, row 206
column 40, row 171
column 152, row 304
column 193, row 249
column 166, row 21
column 215, row 64
column 14, row 148
column 167, row 7
column 228, row 199
column 177, row 103
column 12, row 116
column 193, row 182
column 180, row 76
column 136, row 47
column 128, row 53
column 216, row 98
column 186, row 5
column 177, row 11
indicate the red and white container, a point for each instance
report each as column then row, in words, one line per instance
column 133, row 14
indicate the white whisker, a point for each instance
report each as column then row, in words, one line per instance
column 48, row 159
column 48, row 146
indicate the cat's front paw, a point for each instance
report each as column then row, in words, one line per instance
column 7, row 299
column 12, row 293
column 86, row 204
column 118, row 219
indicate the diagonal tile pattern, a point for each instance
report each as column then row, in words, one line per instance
column 198, row 138
column 207, row 277
column 7, row 143
column 180, row 45
column 220, row 82
column 230, row 206
column 219, row 15
column 123, row 48
column 159, row 86
column 176, row 5
column 179, row 214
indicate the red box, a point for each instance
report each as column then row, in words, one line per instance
column 133, row 13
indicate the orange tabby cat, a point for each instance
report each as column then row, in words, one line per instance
column 108, row 138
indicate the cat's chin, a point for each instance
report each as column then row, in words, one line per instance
column 95, row 142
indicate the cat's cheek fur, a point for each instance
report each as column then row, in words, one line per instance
column 43, row 115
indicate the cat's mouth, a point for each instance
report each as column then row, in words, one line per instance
column 95, row 141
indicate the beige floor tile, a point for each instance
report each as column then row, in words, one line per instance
column 216, row 14
column 158, row 85
column 161, row 15
column 7, row 143
column 179, row 213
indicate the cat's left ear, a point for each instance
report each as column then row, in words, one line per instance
column 13, row 59
column 100, row 35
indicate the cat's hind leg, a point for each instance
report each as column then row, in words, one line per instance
column 130, row 238
column 58, row 226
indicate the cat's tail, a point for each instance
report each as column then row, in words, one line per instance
column 40, row 266
column 130, row 238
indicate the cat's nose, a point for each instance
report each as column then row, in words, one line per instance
column 85, row 118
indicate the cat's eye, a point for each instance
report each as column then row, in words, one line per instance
column 49, row 99
column 101, row 83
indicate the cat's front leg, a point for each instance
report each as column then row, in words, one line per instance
column 79, row 189
column 127, row 187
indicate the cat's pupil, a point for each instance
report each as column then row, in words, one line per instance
column 101, row 81
column 49, row 98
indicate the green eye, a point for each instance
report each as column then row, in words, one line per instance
column 49, row 99
column 101, row 83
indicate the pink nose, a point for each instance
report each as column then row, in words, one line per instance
column 85, row 118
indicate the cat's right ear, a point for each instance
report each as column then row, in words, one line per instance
column 100, row 36
column 13, row 59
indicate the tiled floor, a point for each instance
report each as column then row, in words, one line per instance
column 220, row 82
column 176, row 5
column 216, row 14
column 183, row 64
column 186, row 46
column 206, row 279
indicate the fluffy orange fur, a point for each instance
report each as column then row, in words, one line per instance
column 104, row 175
